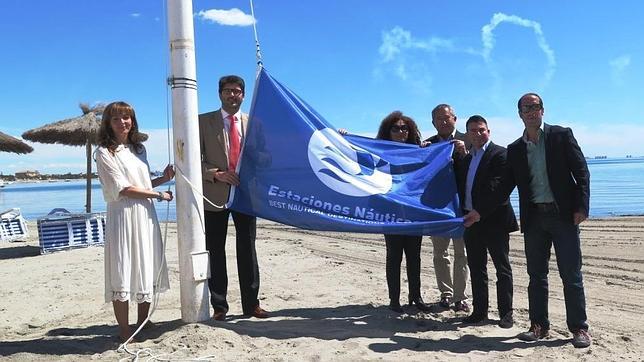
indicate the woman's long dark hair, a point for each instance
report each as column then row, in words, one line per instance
column 384, row 133
column 106, row 137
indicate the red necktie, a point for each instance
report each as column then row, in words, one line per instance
column 233, row 142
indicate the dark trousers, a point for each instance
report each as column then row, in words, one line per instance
column 479, row 240
column 396, row 244
column 543, row 230
column 247, row 268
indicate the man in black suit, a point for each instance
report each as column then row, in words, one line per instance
column 488, row 219
column 452, row 290
column 548, row 167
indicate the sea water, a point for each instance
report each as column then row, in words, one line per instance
column 616, row 188
column 37, row 199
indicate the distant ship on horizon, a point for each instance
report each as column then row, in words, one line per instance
column 615, row 158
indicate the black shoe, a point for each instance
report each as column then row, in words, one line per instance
column 475, row 318
column 395, row 306
column 507, row 321
column 422, row 306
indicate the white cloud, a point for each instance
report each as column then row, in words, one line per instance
column 398, row 46
column 398, row 38
column 232, row 17
column 46, row 158
column 488, row 39
column 503, row 130
column 593, row 141
column 135, row 15
column 618, row 67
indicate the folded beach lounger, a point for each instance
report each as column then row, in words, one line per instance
column 12, row 225
column 62, row 230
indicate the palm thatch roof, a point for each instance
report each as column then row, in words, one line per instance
column 13, row 144
column 74, row 131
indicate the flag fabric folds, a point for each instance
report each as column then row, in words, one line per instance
column 297, row 170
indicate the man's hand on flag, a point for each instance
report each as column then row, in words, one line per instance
column 459, row 147
column 229, row 177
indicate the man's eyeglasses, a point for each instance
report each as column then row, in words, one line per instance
column 530, row 107
column 232, row 91
column 397, row 128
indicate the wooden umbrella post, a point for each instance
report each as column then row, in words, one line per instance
column 88, row 193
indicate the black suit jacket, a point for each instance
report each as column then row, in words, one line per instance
column 568, row 173
column 496, row 212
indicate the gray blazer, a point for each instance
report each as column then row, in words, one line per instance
column 214, row 156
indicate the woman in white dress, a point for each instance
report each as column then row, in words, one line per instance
column 134, row 265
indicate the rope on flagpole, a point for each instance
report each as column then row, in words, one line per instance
column 258, row 53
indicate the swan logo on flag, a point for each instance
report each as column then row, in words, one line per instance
column 346, row 168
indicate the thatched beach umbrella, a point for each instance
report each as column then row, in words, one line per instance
column 77, row 131
column 12, row 144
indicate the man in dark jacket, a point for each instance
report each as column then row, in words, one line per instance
column 479, row 177
column 550, row 171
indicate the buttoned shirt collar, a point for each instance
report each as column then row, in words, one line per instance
column 475, row 152
column 225, row 116
column 539, row 134
column 477, row 155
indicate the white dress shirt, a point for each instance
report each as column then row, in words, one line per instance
column 477, row 155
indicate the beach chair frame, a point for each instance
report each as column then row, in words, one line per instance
column 13, row 226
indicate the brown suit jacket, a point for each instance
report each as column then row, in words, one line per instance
column 214, row 156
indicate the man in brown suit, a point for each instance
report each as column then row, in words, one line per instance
column 221, row 135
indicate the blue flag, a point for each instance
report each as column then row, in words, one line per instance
column 296, row 169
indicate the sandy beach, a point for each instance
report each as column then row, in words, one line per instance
column 327, row 296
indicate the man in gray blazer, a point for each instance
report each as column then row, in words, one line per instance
column 221, row 135
column 452, row 290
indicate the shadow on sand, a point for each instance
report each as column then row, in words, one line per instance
column 325, row 323
column 80, row 341
column 19, row 252
column 367, row 321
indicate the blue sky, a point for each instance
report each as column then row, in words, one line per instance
column 353, row 61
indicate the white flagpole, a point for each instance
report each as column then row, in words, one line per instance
column 193, row 258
